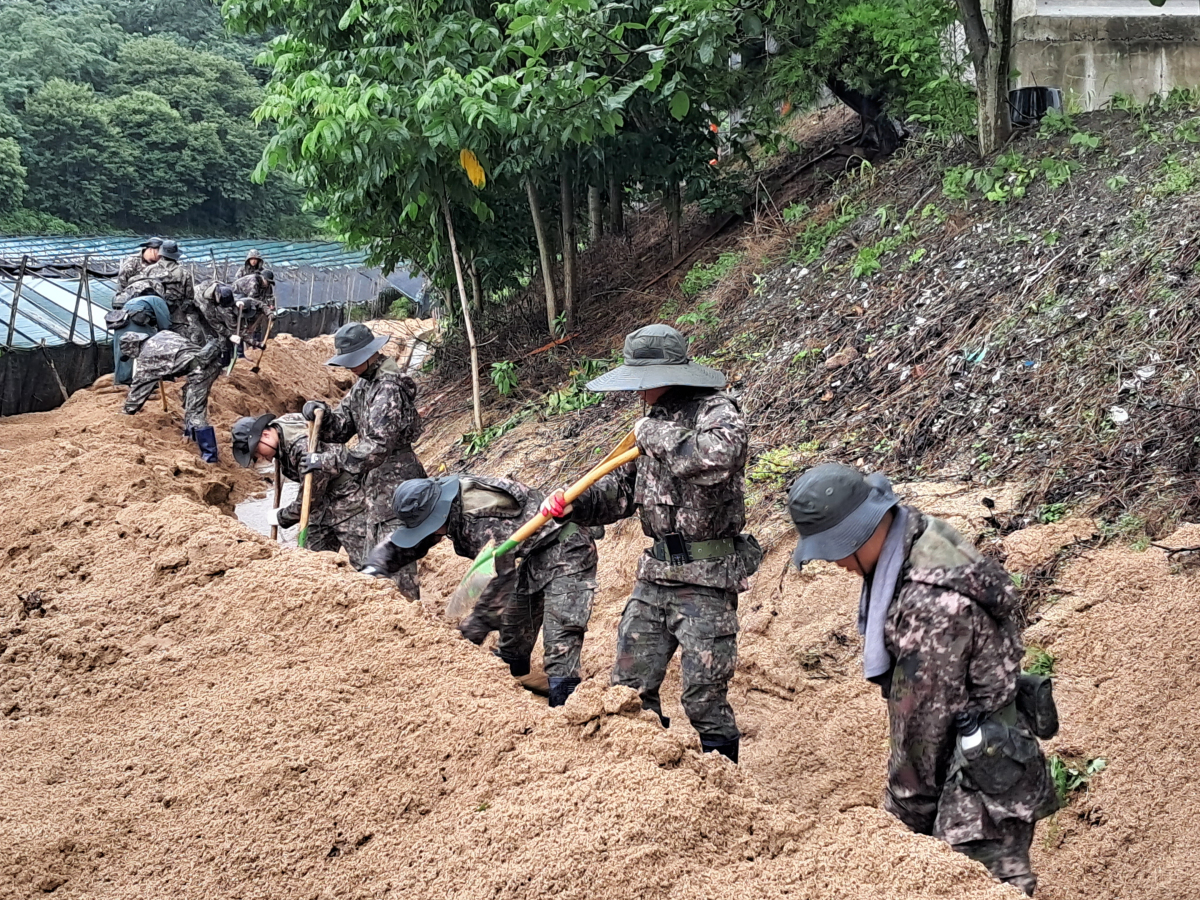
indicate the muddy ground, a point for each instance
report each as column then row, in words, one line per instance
column 189, row 710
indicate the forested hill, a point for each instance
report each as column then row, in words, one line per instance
column 133, row 115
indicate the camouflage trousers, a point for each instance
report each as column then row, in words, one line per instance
column 352, row 534
column 407, row 579
column 1007, row 857
column 702, row 622
column 194, row 392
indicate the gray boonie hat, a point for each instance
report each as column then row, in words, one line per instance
column 355, row 344
column 656, row 356
column 247, row 432
column 153, row 243
column 836, row 510
column 130, row 344
column 169, row 250
column 422, row 505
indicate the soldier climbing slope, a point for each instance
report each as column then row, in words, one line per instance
column 254, row 265
column 380, row 410
column 687, row 486
column 337, row 514
column 553, row 583
column 166, row 356
column 942, row 641
column 133, row 266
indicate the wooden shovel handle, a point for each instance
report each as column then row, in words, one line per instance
column 572, row 493
column 278, row 494
column 314, row 431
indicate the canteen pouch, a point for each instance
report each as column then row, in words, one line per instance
column 748, row 548
column 1035, row 701
column 1001, row 759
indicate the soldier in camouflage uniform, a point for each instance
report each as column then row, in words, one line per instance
column 254, row 265
column 687, row 486
column 380, row 409
column 259, row 287
column 133, row 266
column 179, row 291
column 942, row 640
column 166, row 356
column 337, row 510
column 550, row 578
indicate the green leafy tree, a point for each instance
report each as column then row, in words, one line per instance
column 12, row 175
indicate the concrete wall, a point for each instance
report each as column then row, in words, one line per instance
column 1092, row 57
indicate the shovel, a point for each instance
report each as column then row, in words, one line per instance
column 266, row 339
column 483, row 569
column 237, row 345
column 278, row 495
column 314, row 429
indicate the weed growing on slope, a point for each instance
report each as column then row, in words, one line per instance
column 1074, row 775
column 1038, row 661
column 703, row 276
column 812, row 241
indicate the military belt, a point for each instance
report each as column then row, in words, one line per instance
column 696, row 550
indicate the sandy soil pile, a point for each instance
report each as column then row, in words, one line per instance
column 190, row 710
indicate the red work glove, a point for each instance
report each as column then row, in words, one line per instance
column 555, row 506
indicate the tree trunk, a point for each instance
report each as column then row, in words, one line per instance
column 616, row 212
column 462, row 299
column 988, row 26
column 674, row 207
column 539, row 228
column 476, row 288
column 595, row 215
column 569, row 244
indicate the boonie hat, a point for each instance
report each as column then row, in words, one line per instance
column 836, row 510
column 656, row 356
column 131, row 344
column 422, row 505
column 247, row 432
column 153, row 243
column 355, row 344
column 169, row 250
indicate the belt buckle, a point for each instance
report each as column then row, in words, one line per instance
column 677, row 550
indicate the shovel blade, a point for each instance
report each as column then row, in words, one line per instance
column 471, row 588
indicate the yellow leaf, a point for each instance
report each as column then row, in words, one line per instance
column 473, row 168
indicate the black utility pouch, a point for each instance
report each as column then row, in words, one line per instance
column 677, row 549
column 1035, row 700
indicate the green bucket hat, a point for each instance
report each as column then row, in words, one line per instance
column 836, row 510
column 656, row 356
column 422, row 505
column 246, row 433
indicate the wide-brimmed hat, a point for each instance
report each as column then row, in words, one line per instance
column 656, row 356
column 169, row 250
column 355, row 344
column 247, row 432
column 836, row 510
column 253, row 254
column 153, row 243
column 422, row 505
column 130, row 344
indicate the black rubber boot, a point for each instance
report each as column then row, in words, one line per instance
column 518, row 667
column 728, row 749
column 206, row 440
column 561, row 689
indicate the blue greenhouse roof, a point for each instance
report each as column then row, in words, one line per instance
column 59, row 251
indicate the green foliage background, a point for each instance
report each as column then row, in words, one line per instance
column 134, row 115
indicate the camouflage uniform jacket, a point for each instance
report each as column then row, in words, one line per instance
column 180, row 294
column 167, row 355
column 244, row 270
column 335, row 499
column 689, row 479
column 250, row 286
column 380, row 409
column 130, row 270
column 491, row 509
column 221, row 320
column 956, row 644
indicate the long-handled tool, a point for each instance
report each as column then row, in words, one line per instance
column 278, row 495
column 263, row 351
column 162, row 392
column 483, row 569
column 237, row 345
column 314, row 430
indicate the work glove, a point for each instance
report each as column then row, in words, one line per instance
column 273, row 517
column 235, row 338
column 241, row 304
column 310, row 409
column 556, row 506
column 316, row 462
column 373, row 572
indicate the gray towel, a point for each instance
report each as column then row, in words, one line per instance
column 877, row 594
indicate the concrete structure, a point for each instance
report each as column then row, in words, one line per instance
column 1093, row 49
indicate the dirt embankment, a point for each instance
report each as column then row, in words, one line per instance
column 190, row 710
